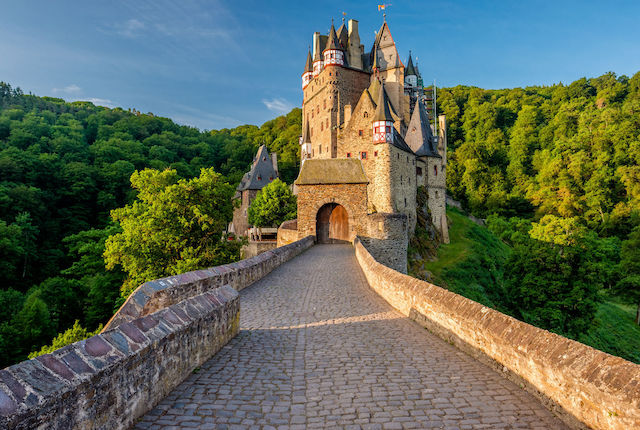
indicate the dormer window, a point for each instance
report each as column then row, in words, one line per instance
column 259, row 178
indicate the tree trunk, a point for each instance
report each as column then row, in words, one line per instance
column 638, row 315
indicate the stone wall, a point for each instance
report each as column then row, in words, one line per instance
column 109, row 380
column 240, row 214
column 255, row 247
column 583, row 385
column 160, row 293
column 386, row 237
column 287, row 232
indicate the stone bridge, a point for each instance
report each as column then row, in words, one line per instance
column 331, row 339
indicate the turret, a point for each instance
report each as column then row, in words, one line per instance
column 305, row 142
column 334, row 53
column 307, row 75
column 317, row 57
column 410, row 74
column 382, row 119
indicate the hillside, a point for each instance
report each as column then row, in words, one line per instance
column 474, row 264
column 63, row 168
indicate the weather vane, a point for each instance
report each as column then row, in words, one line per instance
column 383, row 7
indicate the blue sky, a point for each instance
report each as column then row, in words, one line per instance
column 215, row 64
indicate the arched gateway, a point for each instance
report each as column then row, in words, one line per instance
column 332, row 224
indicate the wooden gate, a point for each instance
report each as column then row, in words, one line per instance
column 332, row 224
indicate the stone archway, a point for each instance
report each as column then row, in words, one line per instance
column 332, row 224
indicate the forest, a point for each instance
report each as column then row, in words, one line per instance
column 64, row 167
column 554, row 170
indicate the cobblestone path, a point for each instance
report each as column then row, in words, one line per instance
column 319, row 349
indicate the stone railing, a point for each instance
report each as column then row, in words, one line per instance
column 109, row 380
column 160, row 293
column 581, row 384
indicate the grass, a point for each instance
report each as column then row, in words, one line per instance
column 473, row 264
column 615, row 331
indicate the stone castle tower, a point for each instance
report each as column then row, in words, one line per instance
column 369, row 108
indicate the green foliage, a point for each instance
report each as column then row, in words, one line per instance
column 553, row 286
column 472, row 264
column 173, row 227
column 274, row 204
column 628, row 287
column 69, row 336
column 63, row 168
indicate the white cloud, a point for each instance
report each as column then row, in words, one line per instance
column 130, row 28
column 69, row 89
column 278, row 105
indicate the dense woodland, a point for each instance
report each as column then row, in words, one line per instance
column 554, row 169
column 63, row 168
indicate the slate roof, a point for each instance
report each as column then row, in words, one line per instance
column 410, row 70
column 261, row 173
column 308, row 67
column 333, row 42
column 419, row 136
column 343, row 35
column 332, row 171
column 383, row 112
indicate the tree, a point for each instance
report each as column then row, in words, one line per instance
column 553, row 286
column 274, row 204
column 629, row 285
column 175, row 225
column 69, row 336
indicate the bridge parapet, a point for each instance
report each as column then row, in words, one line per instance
column 109, row 380
column 583, row 385
column 160, row 293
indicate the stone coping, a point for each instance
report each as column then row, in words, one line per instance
column 109, row 380
column 160, row 293
column 583, row 385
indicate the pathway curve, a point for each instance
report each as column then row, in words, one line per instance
column 319, row 349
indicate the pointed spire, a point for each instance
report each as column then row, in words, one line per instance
column 306, row 136
column 383, row 113
column 419, row 136
column 410, row 70
column 333, row 43
column 308, row 67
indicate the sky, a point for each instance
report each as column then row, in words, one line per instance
column 219, row 64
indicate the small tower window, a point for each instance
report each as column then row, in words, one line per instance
column 405, row 202
column 435, row 170
column 321, row 126
column 366, row 114
column 359, row 132
column 259, row 178
column 348, row 155
column 320, row 149
column 363, row 155
column 375, row 153
column 419, row 171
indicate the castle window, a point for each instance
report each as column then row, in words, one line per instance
column 436, row 194
column 271, row 178
column 398, row 155
column 348, row 155
column 259, row 178
column 400, row 179
column 359, row 132
column 375, row 153
column 320, row 149
column 419, row 171
column 324, row 104
column 435, row 170
column 366, row 114
column 327, row 122
column 329, row 73
column 405, row 202
column 363, row 155
column 407, row 158
column 321, row 126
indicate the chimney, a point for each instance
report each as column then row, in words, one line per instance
column 274, row 162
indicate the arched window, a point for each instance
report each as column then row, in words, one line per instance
column 366, row 115
column 435, row 170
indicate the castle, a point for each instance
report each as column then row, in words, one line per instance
column 367, row 145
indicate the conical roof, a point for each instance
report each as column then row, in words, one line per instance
column 410, row 70
column 343, row 35
column 419, row 136
column 306, row 135
column 383, row 113
column 333, row 42
column 308, row 67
